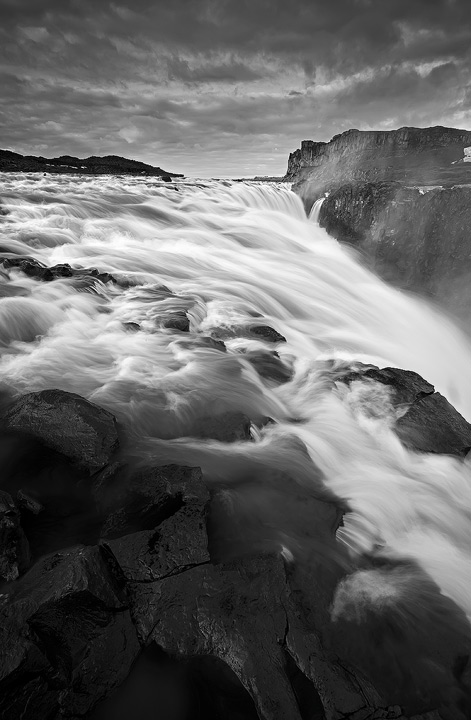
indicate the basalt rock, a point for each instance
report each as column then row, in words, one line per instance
column 66, row 423
column 416, row 239
column 33, row 268
column 178, row 321
column 424, row 420
column 252, row 331
column 14, row 548
column 411, row 156
column 67, row 639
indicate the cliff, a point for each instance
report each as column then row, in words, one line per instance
column 414, row 238
column 403, row 199
column 417, row 156
column 107, row 165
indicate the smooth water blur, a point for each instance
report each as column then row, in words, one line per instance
column 233, row 255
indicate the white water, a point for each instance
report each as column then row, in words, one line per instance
column 234, row 254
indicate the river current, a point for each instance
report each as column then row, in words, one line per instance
column 233, row 256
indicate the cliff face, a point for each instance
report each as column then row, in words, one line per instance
column 419, row 156
column 418, row 240
column 403, row 198
column 109, row 164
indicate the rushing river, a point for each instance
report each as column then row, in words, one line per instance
column 234, row 256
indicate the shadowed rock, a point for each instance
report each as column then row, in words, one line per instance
column 14, row 549
column 67, row 423
column 66, row 636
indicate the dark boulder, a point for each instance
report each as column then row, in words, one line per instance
column 425, row 421
column 251, row 331
column 177, row 321
column 67, row 639
column 33, row 268
column 141, row 500
column 267, row 333
column 66, row 423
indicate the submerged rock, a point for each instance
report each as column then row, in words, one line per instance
column 67, row 423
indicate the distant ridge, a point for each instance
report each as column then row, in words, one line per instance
column 109, row 164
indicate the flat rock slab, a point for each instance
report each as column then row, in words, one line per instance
column 67, row 423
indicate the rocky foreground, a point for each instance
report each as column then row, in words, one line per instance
column 117, row 601
column 107, row 165
column 403, row 198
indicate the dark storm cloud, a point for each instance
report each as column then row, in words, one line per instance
column 171, row 82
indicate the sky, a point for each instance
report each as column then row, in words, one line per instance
column 225, row 88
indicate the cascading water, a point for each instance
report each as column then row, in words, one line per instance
column 315, row 210
column 234, row 255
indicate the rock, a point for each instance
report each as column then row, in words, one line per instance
column 178, row 321
column 411, row 156
column 33, row 268
column 269, row 366
column 143, row 499
column 425, row 421
column 131, row 326
column 66, row 423
column 401, row 230
column 226, row 427
column 28, row 504
column 260, row 332
column 166, row 178
column 433, row 425
column 14, row 548
column 67, row 639
column 267, row 333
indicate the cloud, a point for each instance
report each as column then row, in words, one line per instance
column 210, row 85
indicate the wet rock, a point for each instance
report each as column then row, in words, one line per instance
column 14, row 548
column 33, row 268
column 67, row 639
column 267, row 333
column 240, row 614
column 269, row 366
column 142, row 500
column 131, row 326
column 28, row 504
column 226, row 427
column 178, row 321
column 66, row 423
column 259, row 332
column 425, row 420
column 433, row 425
